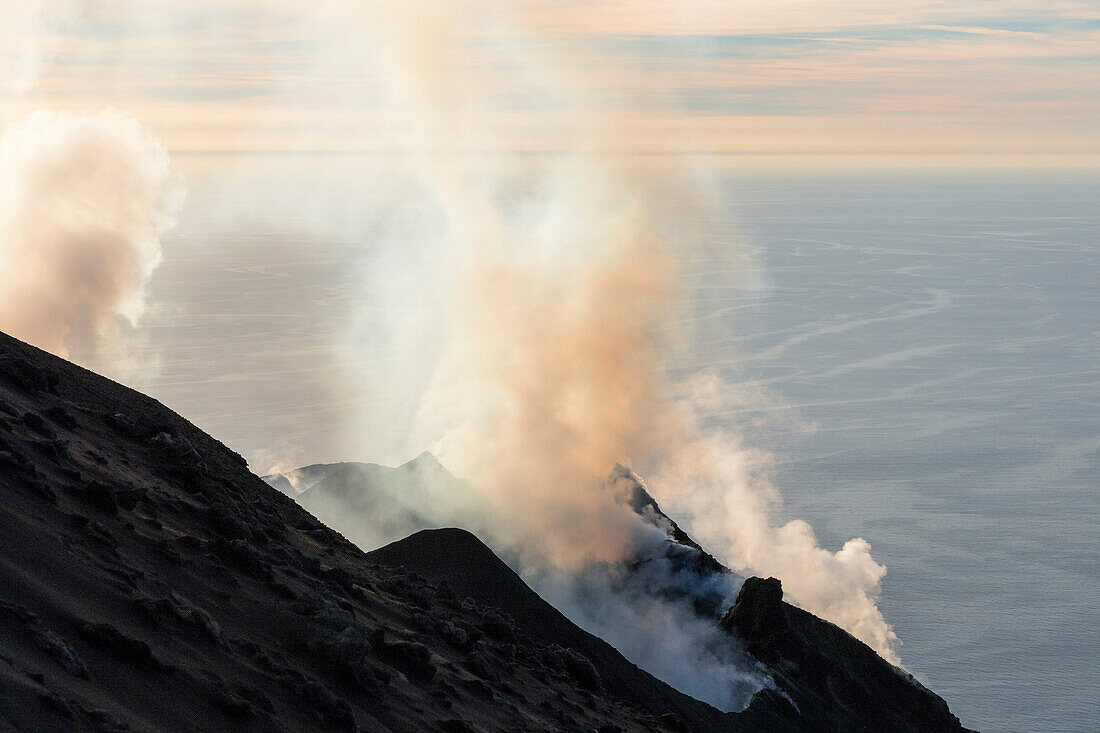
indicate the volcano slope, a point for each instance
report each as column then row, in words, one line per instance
column 151, row 582
column 823, row 678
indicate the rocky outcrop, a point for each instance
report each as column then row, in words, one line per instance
column 824, row 678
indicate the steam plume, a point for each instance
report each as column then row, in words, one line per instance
column 556, row 367
column 84, row 201
column 725, row 486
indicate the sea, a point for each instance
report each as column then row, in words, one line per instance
column 926, row 343
column 937, row 336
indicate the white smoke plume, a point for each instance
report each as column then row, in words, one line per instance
column 663, row 636
column 84, row 202
column 726, row 488
column 558, row 311
column 551, row 302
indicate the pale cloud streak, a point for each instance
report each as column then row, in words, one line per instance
column 798, row 77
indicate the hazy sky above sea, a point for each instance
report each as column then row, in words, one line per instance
column 952, row 81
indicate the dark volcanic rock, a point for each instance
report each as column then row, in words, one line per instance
column 24, row 375
column 35, row 422
column 826, row 679
column 120, row 646
column 758, row 612
column 150, row 582
column 580, row 669
column 161, row 586
column 100, row 496
column 412, row 658
column 471, row 569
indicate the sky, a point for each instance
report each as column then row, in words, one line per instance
column 851, row 79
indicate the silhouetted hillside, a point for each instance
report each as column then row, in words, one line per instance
column 152, row 583
column 472, row 570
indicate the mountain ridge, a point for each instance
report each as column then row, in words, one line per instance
column 153, row 583
column 849, row 694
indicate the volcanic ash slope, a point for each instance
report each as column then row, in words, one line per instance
column 150, row 582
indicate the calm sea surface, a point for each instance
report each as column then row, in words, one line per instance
column 930, row 345
column 941, row 331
